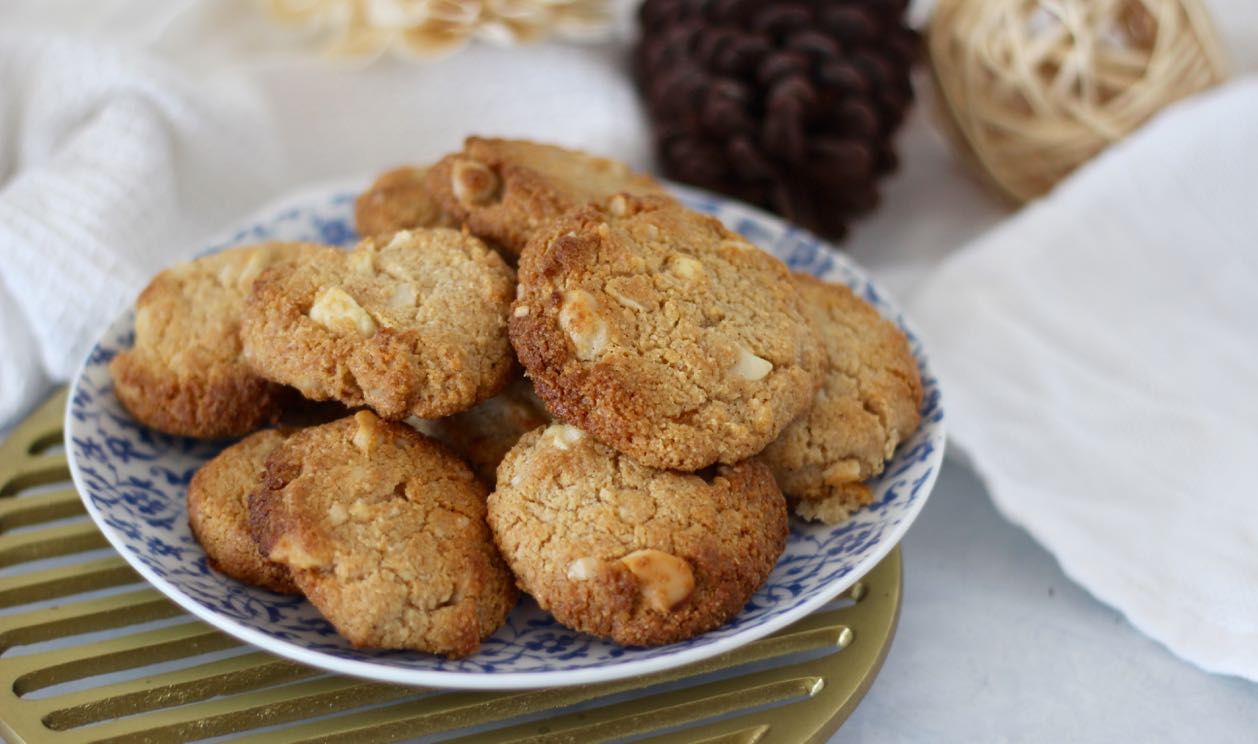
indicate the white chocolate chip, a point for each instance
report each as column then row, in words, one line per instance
column 337, row 311
column 737, row 244
column 624, row 299
column 404, row 297
column 751, row 367
column 289, row 551
column 584, row 569
column 664, row 580
column 579, row 318
column 362, row 260
column 337, row 515
column 893, row 441
column 359, row 510
column 521, row 312
column 143, row 322
column 227, row 274
column 368, row 433
column 687, row 268
column 563, row 436
column 239, row 273
column 399, row 239
column 258, row 260
column 472, row 182
column 843, row 471
column 618, row 206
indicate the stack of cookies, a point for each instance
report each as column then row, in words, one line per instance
column 677, row 383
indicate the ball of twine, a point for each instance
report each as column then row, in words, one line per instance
column 1031, row 89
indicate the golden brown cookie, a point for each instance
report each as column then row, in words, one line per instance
column 638, row 555
column 398, row 200
column 485, row 433
column 184, row 374
column 411, row 324
column 867, row 405
column 506, row 189
column 218, row 512
column 384, row 531
column 662, row 333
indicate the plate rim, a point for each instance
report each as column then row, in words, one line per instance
column 488, row 681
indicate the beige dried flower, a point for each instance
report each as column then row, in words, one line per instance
column 434, row 28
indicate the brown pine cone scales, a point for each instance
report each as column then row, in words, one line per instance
column 788, row 105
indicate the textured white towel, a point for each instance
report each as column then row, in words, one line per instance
column 1099, row 357
column 111, row 163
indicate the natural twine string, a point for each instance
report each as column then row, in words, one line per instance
column 1034, row 88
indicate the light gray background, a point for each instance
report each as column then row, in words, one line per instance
column 995, row 644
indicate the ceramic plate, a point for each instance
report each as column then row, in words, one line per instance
column 133, row 481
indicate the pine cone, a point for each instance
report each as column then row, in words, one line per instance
column 788, row 105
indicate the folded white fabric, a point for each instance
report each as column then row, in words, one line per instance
column 1099, row 357
column 111, row 164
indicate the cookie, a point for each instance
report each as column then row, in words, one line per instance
column 398, row 200
column 638, row 555
column 384, row 531
column 218, row 512
column 411, row 324
column 505, row 190
column 484, row 434
column 662, row 333
column 867, row 405
column 184, row 374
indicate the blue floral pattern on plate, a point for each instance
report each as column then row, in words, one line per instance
column 134, row 480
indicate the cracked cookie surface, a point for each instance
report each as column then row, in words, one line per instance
column 384, row 531
column 218, row 512
column 662, row 333
column 869, row 403
column 505, row 190
column 398, row 200
column 185, row 373
column 638, row 555
column 411, row 324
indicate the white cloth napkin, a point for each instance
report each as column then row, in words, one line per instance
column 1099, row 360
column 109, row 161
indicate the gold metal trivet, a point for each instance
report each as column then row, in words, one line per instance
column 89, row 652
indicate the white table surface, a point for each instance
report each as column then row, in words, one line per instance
column 995, row 644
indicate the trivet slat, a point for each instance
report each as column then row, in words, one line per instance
column 85, row 616
column 55, row 541
column 64, row 581
column 192, row 638
column 654, row 712
column 238, row 674
column 38, row 508
column 279, row 704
